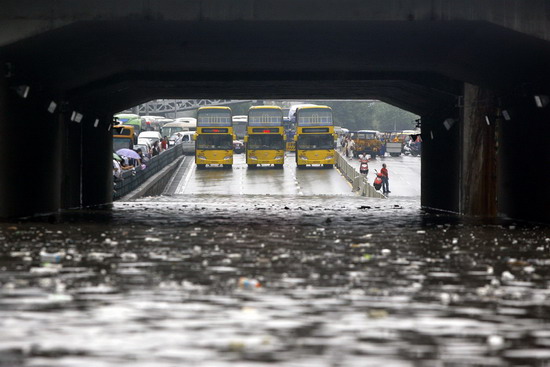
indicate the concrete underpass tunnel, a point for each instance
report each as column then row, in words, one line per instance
column 481, row 91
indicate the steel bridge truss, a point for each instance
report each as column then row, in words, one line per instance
column 166, row 107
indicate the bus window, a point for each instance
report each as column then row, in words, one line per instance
column 315, row 141
column 315, row 117
column 214, row 141
column 266, row 141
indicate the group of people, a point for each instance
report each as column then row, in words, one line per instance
column 124, row 163
column 347, row 145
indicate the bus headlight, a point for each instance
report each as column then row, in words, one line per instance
column 329, row 157
column 227, row 158
column 253, row 158
column 277, row 158
column 303, row 158
column 202, row 157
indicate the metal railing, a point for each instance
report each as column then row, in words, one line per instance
column 132, row 179
column 359, row 181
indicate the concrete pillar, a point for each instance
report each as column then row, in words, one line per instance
column 97, row 158
column 440, row 159
column 30, row 154
column 524, row 157
column 71, row 180
column 478, row 181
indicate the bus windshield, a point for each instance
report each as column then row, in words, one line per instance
column 215, row 142
column 265, row 117
column 315, row 117
column 122, row 143
column 315, row 141
column 265, row 142
column 214, row 118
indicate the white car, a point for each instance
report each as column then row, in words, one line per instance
column 185, row 138
column 149, row 136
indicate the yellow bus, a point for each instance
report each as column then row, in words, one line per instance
column 214, row 137
column 314, row 136
column 265, row 136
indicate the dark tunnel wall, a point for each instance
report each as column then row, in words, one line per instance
column 99, row 68
column 30, row 151
column 524, row 161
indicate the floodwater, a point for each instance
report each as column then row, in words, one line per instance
column 273, row 281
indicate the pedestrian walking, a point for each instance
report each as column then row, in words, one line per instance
column 346, row 146
column 351, row 147
column 385, row 179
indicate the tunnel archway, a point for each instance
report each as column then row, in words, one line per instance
column 429, row 68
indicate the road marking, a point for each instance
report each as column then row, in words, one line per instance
column 174, row 175
column 241, row 171
column 183, row 183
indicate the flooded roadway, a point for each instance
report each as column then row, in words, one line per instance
column 262, row 180
column 262, row 280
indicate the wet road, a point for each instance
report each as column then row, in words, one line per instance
column 286, row 280
column 240, row 180
column 403, row 171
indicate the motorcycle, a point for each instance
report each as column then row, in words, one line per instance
column 377, row 180
column 415, row 149
column 363, row 165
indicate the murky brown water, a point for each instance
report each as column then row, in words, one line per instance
column 308, row 281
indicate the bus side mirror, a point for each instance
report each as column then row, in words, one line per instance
column 295, row 137
column 194, row 137
column 234, row 137
column 245, row 139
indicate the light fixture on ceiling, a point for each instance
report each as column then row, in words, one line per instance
column 506, row 115
column 23, row 90
column 448, row 123
column 542, row 100
column 52, row 107
column 76, row 117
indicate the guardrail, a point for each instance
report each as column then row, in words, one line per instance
column 359, row 181
column 132, row 179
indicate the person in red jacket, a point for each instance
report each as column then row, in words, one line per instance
column 385, row 179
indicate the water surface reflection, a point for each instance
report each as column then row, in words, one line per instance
column 308, row 281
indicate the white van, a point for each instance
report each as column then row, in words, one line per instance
column 185, row 138
column 149, row 136
column 180, row 124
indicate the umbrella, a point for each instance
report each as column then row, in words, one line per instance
column 128, row 153
column 117, row 157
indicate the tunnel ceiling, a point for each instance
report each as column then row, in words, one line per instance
column 416, row 65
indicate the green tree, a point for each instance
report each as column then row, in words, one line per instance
column 375, row 115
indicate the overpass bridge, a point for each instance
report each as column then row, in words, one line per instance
column 170, row 107
column 476, row 72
